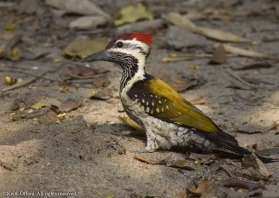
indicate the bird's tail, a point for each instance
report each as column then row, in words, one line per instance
column 235, row 148
column 228, row 142
column 266, row 159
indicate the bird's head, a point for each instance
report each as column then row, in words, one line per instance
column 129, row 50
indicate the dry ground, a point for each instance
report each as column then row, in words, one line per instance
column 89, row 151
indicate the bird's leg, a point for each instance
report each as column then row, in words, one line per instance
column 152, row 143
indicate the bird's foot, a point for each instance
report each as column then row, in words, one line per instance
column 144, row 150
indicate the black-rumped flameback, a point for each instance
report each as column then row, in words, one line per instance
column 168, row 119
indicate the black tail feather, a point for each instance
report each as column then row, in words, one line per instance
column 266, row 159
column 235, row 148
column 228, row 142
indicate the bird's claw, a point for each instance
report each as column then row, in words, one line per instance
column 144, row 150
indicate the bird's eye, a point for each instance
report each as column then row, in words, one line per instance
column 119, row 44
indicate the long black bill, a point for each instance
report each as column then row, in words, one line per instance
column 99, row 56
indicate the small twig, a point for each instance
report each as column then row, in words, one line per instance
column 169, row 59
column 28, row 74
column 250, row 186
column 13, row 42
column 248, row 132
column 77, row 77
column 190, row 55
column 81, row 81
column 241, row 80
column 25, row 82
column 181, row 57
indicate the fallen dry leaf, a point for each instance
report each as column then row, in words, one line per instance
column 82, row 47
column 200, row 100
column 48, row 118
column 69, row 105
column 201, row 189
column 185, row 23
column 255, row 168
column 104, row 94
column 206, row 188
column 247, row 53
column 132, row 13
column 46, row 102
column 84, row 7
column 88, row 22
column 219, row 55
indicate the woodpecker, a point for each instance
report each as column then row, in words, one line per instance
column 168, row 119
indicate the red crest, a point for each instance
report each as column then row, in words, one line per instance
column 143, row 37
